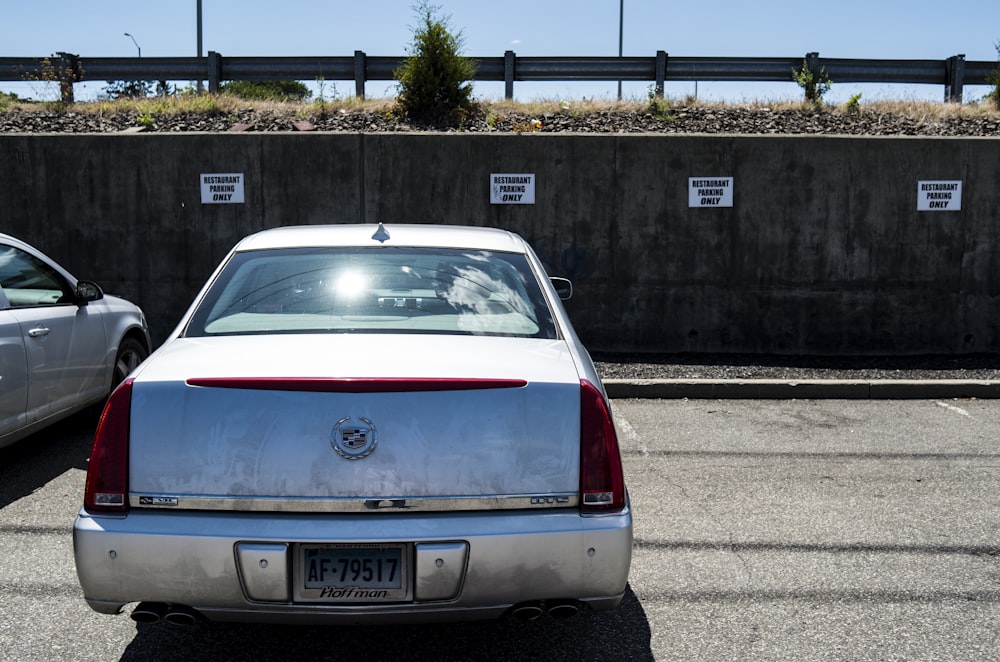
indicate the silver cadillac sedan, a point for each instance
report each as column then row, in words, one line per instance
column 361, row 424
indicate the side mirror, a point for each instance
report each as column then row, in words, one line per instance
column 87, row 291
column 564, row 287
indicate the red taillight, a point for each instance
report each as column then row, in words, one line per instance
column 107, row 473
column 602, row 484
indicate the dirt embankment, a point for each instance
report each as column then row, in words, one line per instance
column 876, row 120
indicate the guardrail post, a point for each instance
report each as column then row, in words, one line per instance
column 69, row 72
column 508, row 74
column 360, row 69
column 954, row 78
column 661, row 73
column 812, row 62
column 214, row 72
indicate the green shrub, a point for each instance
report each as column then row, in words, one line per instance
column 7, row 99
column 434, row 79
column 815, row 84
column 659, row 106
column 266, row 90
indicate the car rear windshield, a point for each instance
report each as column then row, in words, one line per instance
column 375, row 290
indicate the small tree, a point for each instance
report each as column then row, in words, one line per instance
column 994, row 79
column 434, row 79
column 163, row 89
column 815, row 84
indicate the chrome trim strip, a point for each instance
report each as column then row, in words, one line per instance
column 354, row 505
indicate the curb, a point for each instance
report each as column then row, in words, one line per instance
column 805, row 389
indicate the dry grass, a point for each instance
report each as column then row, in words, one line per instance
column 205, row 103
column 925, row 111
column 929, row 110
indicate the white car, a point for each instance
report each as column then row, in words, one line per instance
column 63, row 344
column 357, row 424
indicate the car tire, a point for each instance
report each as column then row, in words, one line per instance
column 130, row 354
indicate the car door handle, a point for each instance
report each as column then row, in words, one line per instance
column 38, row 331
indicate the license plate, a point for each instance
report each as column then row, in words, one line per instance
column 352, row 573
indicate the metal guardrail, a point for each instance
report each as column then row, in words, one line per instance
column 66, row 68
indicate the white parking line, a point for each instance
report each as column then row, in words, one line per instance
column 628, row 434
column 957, row 410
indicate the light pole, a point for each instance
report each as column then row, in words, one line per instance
column 198, row 9
column 134, row 42
column 621, row 22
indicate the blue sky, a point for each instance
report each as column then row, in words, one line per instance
column 891, row 29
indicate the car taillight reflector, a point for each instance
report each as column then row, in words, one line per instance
column 107, row 473
column 602, row 483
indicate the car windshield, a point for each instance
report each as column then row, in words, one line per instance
column 375, row 290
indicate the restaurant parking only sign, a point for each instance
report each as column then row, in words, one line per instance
column 939, row 195
column 512, row 189
column 222, row 188
column 710, row 191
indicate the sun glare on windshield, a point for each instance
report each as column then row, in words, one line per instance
column 351, row 285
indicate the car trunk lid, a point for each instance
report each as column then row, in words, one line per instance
column 356, row 422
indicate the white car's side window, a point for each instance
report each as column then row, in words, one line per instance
column 28, row 281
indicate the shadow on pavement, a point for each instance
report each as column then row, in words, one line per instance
column 34, row 461
column 623, row 634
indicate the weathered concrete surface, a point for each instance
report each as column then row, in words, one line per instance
column 822, row 252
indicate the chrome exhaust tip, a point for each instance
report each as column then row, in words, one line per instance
column 149, row 612
column 180, row 615
column 560, row 610
column 527, row 611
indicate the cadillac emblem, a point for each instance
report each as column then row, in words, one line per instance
column 353, row 440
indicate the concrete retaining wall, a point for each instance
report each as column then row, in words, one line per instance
column 823, row 251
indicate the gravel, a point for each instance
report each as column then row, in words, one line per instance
column 634, row 118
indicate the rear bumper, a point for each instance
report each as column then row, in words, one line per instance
column 462, row 565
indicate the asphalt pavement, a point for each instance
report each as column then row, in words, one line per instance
column 820, row 530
